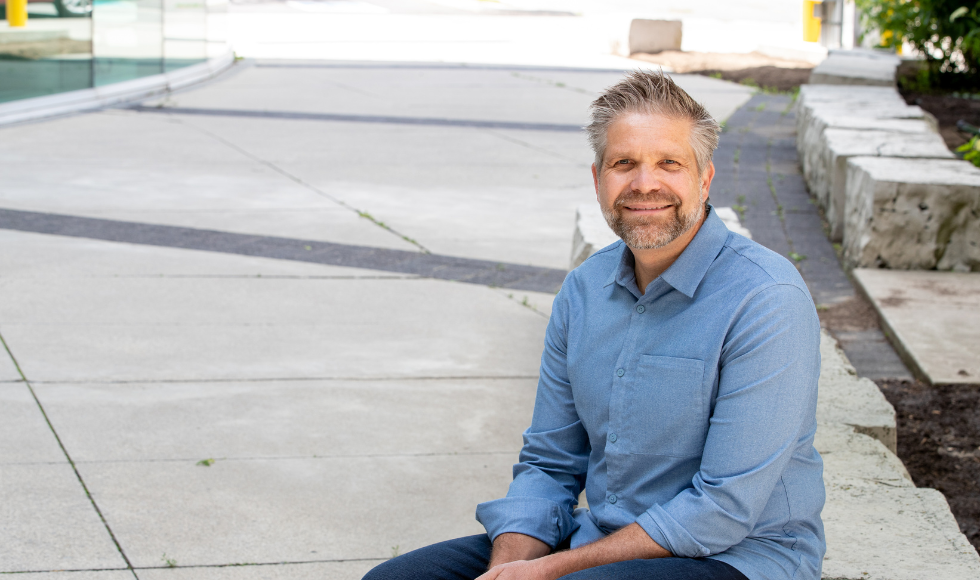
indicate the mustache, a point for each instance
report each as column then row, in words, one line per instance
column 634, row 196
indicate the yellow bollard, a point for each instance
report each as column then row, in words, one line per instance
column 811, row 21
column 17, row 13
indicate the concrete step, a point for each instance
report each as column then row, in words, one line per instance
column 933, row 319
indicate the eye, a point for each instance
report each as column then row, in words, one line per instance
column 670, row 161
column 623, row 162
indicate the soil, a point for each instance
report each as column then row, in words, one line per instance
column 939, row 442
column 755, row 69
column 947, row 109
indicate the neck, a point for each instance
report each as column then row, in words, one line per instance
column 649, row 264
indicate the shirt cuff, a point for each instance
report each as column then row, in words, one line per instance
column 665, row 530
column 532, row 516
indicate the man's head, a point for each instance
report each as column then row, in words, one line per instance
column 653, row 146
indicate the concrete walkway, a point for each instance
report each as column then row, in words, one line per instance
column 352, row 409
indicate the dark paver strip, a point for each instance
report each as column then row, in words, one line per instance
column 383, row 119
column 470, row 271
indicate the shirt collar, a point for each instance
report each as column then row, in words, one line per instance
column 686, row 273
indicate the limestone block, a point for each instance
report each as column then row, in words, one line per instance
column 816, row 95
column 856, row 68
column 879, row 532
column 836, row 146
column 655, row 35
column 845, row 398
column 912, row 214
column 592, row 233
column 849, row 454
column 902, row 119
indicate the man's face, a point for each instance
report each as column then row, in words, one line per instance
column 648, row 185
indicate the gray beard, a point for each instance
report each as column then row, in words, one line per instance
column 649, row 234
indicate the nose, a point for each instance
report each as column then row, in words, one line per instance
column 646, row 179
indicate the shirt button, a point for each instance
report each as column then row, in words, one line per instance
column 620, row 372
column 613, row 437
column 640, row 308
column 613, row 498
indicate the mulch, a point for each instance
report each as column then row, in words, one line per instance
column 947, row 109
column 939, row 442
column 770, row 78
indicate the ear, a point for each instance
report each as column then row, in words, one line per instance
column 709, row 175
column 595, row 181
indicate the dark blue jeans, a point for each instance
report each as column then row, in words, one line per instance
column 466, row 558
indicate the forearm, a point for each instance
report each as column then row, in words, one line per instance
column 629, row 543
column 511, row 547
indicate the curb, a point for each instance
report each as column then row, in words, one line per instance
column 24, row 110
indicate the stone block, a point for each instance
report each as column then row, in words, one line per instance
column 655, row 35
column 877, row 531
column 849, row 454
column 828, row 174
column 857, row 402
column 912, row 214
column 856, row 68
column 591, row 233
column 933, row 319
column 897, row 119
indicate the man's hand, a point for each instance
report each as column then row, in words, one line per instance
column 521, row 570
column 629, row 543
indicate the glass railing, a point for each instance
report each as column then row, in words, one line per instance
column 76, row 44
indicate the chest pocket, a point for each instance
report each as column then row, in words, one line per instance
column 668, row 409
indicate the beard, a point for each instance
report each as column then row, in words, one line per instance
column 648, row 232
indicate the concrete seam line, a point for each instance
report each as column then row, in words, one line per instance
column 71, row 462
column 83, row 100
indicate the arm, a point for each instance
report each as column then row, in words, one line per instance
column 629, row 543
column 553, row 461
column 766, row 398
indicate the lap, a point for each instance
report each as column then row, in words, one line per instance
column 466, row 558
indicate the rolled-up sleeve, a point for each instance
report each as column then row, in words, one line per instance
column 554, row 459
column 767, row 387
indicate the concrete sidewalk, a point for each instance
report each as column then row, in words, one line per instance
column 351, row 412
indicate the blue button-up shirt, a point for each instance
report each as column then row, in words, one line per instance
column 689, row 409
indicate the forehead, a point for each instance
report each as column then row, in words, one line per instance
column 650, row 133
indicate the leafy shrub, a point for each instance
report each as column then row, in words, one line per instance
column 971, row 150
column 946, row 32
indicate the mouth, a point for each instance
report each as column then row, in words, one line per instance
column 648, row 208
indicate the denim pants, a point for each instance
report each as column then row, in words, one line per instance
column 466, row 558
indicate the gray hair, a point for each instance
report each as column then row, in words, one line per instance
column 652, row 93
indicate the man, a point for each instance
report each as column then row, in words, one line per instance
column 678, row 386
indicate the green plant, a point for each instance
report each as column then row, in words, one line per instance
column 206, row 462
column 169, row 562
column 945, row 32
column 971, row 150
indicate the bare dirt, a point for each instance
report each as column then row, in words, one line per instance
column 754, row 69
column 939, row 442
column 947, row 109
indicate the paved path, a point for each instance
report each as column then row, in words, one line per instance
column 352, row 409
column 758, row 173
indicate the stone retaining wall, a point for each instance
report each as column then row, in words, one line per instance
column 891, row 191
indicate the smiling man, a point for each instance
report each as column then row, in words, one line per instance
column 678, row 387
